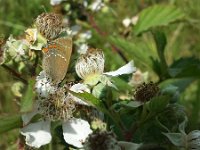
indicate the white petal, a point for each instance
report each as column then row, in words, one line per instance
column 75, row 131
column 43, row 86
column 55, row 2
column 83, row 49
column 126, row 22
column 80, row 88
column 75, row 29
column 37, row 134
column 126, row 69
column 28, row 116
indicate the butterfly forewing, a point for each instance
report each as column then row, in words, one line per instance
column 57, row 57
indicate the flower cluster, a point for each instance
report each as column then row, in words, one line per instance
column 54, row 102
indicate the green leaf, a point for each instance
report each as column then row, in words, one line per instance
column 161, row 41
column 134, row 104
column 172, row 91
column 176, row 138
column 129, row 145
column 27, row 98
column 121, row 85
column 90, row 99
column 185, row 67
column 136, row 51
column 157, row 15
column 181, row 83
column 10, row 122
column 158, row 103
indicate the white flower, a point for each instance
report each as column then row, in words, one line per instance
column 16, row 49
column 126, row 22
column 37, row 134
column 96, row 5
column 130, row 21
column 53, row 104
column 126, row 69
column 75, row 131
column 43, row 85
column 90, row 67
column 55, row 2
column 86, row 35
column 134, row 19
column 82, row 49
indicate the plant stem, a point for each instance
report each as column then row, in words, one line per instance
column 13, row 72
column 104, row 34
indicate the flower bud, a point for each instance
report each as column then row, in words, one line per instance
column 145, row 92
column 90, row 64
column 101, row 140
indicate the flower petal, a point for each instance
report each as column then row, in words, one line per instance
column 37, row 134
column 75, row 131
column 126, row 69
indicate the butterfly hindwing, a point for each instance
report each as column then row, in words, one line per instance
column 57, row 57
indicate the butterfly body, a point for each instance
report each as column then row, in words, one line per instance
column 56, row 58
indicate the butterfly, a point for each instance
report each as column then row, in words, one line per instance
column 56, row 58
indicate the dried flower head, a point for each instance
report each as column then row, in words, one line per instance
column 145, row 92
column 91, row 63
column 49, row 25
column 57, row 106
column 101, row 140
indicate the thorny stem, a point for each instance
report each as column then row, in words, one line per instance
column 13, row 72
column 95, row 26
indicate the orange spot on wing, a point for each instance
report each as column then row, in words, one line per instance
column 45, row 50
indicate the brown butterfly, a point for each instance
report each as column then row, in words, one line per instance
column 56, row 59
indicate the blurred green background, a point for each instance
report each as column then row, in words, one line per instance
column 183, row 41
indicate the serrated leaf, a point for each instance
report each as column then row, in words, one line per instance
column 136, row 51
column 158, row 103
column 9, row 123
column 27, row 98
column 157, row 15
column 176, row 138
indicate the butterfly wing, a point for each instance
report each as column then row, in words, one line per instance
column 57, row 57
